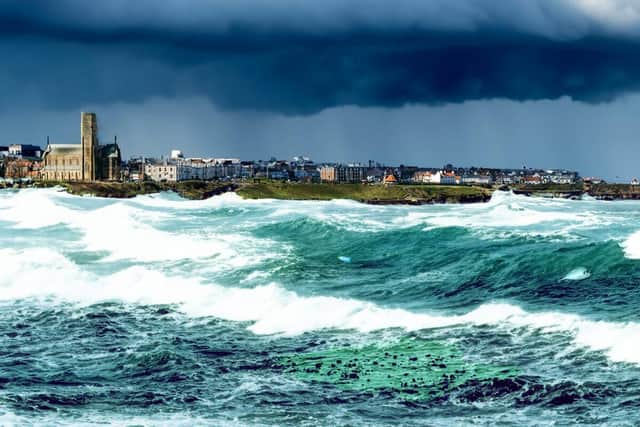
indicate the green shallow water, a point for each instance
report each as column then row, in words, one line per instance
column 411, row 368
column 160, row 311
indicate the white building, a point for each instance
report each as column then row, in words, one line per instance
column 24, row 150
column 449, row 178
column 193, row 169
column 427, row 177
column 164, row 171
column 439, row 177
column 477, row 179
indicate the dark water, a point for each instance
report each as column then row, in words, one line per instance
column 227, row 312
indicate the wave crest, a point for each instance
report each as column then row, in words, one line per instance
column 273, row 310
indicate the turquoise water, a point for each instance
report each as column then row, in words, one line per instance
column 157, row 310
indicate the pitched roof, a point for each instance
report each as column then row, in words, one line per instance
column 64, row 149
column 109, row 149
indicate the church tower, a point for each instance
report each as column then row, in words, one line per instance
column 89, row 135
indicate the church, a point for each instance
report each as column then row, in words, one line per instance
column 87, row 161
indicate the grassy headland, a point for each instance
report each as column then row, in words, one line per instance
column 615, row 191
column 198, row 190
column 374, row 194
column 598, row 191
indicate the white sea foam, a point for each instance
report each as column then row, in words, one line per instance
column 173, row 201
column 121, row 229
column 631, row 246
column 124, row 233
column 579, row 273
column 11, row 419
column 504, row 211
column 30, row 209
column 270, row 309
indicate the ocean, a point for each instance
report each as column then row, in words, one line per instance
column 161, row 311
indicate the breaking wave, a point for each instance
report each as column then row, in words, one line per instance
column 273, row 310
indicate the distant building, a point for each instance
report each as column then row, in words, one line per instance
column 87, row 161
column 21, row 168
column 278, row 174
column 477, row 179
column 329, row 174
column 532, row 180
column 109, row 161
column 63, row 162
column 247, row 169
column 593, row 180
column 390, row 180
column 560, row 177
column 424, row 177
column 375, row 174
column 449, row 178
column 4, row 151
column 304, row 169
column 133, row 169
column 405, row 173
column 24, row 150
column 352, row 173
column 162, row 172
column 194, row 168
column 506, row 179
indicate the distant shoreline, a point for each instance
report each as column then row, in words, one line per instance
column 365, row 193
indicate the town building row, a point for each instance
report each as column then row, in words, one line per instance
column 91, row 161
column 68, row 162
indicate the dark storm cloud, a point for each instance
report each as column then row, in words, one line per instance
column 300, row 57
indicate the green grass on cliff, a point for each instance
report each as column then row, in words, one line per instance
column 300, row 191
column 197, row 190
column 615, row 189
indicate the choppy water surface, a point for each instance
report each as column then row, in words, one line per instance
column 157, row 310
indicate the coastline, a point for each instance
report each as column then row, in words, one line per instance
column 608, row 192
column 363, row 193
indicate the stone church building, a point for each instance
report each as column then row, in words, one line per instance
column 87, row 161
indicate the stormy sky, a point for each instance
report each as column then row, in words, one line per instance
column 541, row 83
